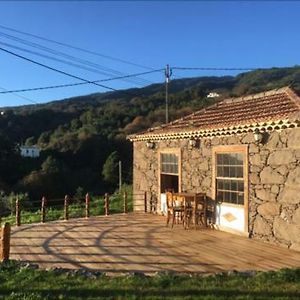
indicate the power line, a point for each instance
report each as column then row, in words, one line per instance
column 20, row 96
column 215, row 69
column 76, row 84
column 71, row 57
column 77, row 48
column 64, row 61
column 58, row 71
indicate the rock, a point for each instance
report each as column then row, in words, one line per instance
column 290, row 195
column 233, row 139
column 254, row 178
column 248, row 138
column 269, row 210
column 256, row 160
column 291, row 191
column 295, row 247
column 294, row 177
column 206, row 152
column 248, row 273
column 275, row 189
column 215, row 141
column 273, row 141
column 195, row 181
column 261, row 227
column 296, row 217
column 206, row 182
column 286, row 231
column 286, row 215
column 253, row 148
column 297, row 153
column 294, row 138
column 269, row 176
column 265, row 195
column 257, row 200
column 27, row 265
column 255, row 169
column 281, row 157
column 203, row 166
column 283, row 170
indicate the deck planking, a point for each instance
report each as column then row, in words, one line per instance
column 142, row 243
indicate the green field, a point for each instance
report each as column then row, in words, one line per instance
column 76, row 210
column 22, row 283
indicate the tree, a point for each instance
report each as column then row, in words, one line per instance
column 110, row 168
column 51, row 165
column 30, row 141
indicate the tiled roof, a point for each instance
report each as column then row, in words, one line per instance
column 271, row 108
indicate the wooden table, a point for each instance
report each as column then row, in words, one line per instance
column 190, row 202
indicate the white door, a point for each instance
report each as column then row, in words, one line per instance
column 231, row 190
column 230, row 217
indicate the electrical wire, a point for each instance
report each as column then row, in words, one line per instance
column 215, row 69
column 75, row 84
column 76, row 48
column 59, row 71
column 112, row 72
column 17, row 95
column 63, row 61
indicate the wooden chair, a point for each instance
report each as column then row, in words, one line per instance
column 174, row 210
column 200, row 210
column 153, row 203
column 195, row 211
column 210, row 212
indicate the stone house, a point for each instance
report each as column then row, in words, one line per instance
column 243, row 152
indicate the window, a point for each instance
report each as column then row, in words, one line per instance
column 169, row 163
column 169, row 177
column 230, row 178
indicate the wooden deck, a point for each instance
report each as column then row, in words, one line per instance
column 142, row 243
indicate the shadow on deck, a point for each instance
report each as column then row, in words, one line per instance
column 141, row 243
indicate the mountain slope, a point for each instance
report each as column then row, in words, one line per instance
column 79, row 133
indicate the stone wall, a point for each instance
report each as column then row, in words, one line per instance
column 274, row 179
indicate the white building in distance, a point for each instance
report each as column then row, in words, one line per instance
column 213, row 95
column 29, row 151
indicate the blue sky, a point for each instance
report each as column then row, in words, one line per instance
column 152, row 34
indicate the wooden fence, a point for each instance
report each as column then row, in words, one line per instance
column 83, row 208
column 145, row 202
column 4, row 242
column 44, row 205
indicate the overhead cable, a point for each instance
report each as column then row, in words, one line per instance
column 58, row 71
column 68, row 56
column 76, row 84
column 214, row 69
column 76, row 48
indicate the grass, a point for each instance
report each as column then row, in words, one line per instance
column 24, row 283
column 75, row 210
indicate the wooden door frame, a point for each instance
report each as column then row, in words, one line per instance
column 176, row 151
column 234, row 149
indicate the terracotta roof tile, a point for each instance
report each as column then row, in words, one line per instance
column 269, row 106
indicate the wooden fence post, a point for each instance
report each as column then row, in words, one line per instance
column 106, row 204
column 66, row 208
column 125, row 203
column 87, row 205
column 18, row 213
column 43, row 210
column 5, row 242
column 145, row 201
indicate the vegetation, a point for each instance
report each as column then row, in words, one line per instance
column 23, row 283
column 80, row 135
column 31, row 211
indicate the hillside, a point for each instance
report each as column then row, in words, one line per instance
column 80, row 133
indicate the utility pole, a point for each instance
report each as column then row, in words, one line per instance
column 120, row 176
column 168, row 74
